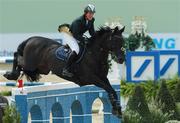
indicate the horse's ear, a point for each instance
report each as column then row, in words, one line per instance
column 122, row 30
column 116, row 29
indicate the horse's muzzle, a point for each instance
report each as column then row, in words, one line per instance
column 121, row 60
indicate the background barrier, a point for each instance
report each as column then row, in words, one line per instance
column 59, row 99
column 6, row 59
column 25, row 83
column 152, row 65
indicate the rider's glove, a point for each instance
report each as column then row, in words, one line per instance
column 86, row 41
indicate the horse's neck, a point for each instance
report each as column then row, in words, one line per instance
column 103, row 56
column 100, row 57
column 99, row 51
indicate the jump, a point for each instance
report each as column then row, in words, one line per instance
column 40, row 55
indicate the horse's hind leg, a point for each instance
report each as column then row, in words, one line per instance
column 15, row 73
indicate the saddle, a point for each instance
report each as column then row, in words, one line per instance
column 63, row 53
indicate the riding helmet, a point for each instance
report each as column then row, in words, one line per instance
column 89, row 8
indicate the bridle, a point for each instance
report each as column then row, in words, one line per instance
column 118, row 37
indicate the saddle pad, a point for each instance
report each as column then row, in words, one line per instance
column 63, row 53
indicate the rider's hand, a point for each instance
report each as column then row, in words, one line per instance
column 86, row 41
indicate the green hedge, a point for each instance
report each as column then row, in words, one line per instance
column 11, row 115
column 151, row 88
column 162, row 97
column 5, row 93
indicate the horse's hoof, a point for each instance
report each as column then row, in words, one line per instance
column 11, row 76
column 6, row 75
column 117, row 112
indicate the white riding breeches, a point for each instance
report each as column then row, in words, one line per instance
column 70, row 41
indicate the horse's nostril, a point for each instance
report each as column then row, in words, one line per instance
column 121, row 60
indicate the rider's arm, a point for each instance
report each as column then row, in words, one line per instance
column 92, row 30
column 75, row 29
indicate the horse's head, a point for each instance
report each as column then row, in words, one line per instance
column 116, row 44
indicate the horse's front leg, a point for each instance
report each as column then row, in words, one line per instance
column 114, row 99
column 104, row 83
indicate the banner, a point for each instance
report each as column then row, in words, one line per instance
column 10, row 42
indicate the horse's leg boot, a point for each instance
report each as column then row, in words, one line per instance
column 116, row 107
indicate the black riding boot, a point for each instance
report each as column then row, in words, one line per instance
column 66, row 69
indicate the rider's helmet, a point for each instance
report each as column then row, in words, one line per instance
column 89, row 8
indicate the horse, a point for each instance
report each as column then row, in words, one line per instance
column 36, row 56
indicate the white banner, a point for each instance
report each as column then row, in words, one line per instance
column 10, row 42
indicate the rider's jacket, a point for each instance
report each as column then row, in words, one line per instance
column 80, row 25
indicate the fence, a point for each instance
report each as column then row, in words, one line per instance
column 59, row 99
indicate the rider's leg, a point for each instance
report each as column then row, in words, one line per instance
column 72, row 43
column 71, row 60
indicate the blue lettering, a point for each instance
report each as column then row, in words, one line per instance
column 4, row 53
column 158, row 43
column 170, row 43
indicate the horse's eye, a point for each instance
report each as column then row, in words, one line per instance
column 113, row 45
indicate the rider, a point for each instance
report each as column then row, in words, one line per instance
column 78, row 27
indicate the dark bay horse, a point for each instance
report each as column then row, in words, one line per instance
column 36, row 56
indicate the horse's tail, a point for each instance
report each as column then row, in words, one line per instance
column 15, row 73
column 32, row 75
column 21, row 47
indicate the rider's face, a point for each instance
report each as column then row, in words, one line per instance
column 89, row 15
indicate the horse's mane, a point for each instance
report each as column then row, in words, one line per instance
column 103, row 29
